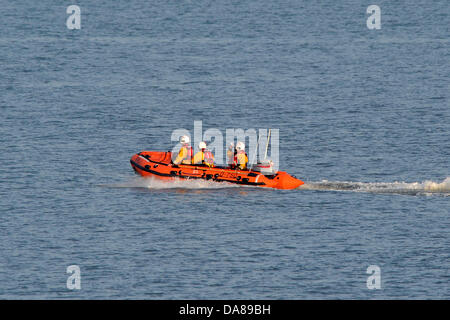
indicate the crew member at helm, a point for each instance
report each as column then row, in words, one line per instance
column 240, row 158
column 185, row 155
column 204, row 156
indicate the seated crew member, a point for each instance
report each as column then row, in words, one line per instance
column 240, row 159
column 185, row 155
column 231, row 153
column 204, row 156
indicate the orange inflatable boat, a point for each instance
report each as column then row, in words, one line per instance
column 159, row 164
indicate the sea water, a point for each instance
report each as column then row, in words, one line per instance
column 363, row 117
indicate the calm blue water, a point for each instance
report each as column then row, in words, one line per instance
column 363, row 116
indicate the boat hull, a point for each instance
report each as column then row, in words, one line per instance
column 158, row 164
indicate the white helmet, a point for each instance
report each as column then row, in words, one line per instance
column 240, row 146
column 202, row 145
column 231, row 146
column 184, row 139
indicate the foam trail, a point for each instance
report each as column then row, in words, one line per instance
column 154, row 183
column 414, row 188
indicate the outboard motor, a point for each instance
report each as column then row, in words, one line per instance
column 265, row 167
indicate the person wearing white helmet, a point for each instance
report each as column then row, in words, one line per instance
column 240, row 158
column 204, row 156
column 185, row 155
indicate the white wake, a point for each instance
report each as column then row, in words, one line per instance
column 411, row 188
column 155, row 183
column 427, row 187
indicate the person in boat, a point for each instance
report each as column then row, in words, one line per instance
column 231, row 153
column 240, row 158
column 204, row 156
column 185, row 155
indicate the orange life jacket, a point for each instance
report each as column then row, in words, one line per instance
column 208, row 157
column 190, row 154
column 235, row 162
